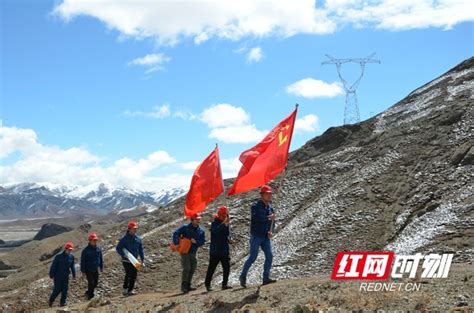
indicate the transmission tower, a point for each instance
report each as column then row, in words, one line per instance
column 351, row 110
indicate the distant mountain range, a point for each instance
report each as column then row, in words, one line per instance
column 44, row 200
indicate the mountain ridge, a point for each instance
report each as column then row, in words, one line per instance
column 47, row 200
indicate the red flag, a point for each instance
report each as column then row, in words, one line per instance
column 267, row 159
column 206, row 184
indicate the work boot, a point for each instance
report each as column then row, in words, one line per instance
column 125, row 291
column 50, row 303
column 62, row 304
column 268, row 281
column 208, row 287
column 243, row 281
column 190, row 288
column 184, row 288
column 226, row 287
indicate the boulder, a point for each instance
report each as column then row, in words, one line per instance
column 50, row 230
column 468, row 158
column 460, row 153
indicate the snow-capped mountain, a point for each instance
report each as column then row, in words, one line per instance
column 46, row 199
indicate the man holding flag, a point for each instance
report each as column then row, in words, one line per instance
column 195, row 234
column 261, row 231
column 219, row 249
column 206, row 185
column 261, row 164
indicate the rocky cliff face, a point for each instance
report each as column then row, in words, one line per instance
column 401, row 181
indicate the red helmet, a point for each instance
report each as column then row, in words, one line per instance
column 69, row 246
column 266, row 189
column 93, row 236
column 195, row 216
column 222, row 211
column 132, row 225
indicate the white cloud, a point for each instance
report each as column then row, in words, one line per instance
column 314, row 88
column 157, row 112
column 154, row 62
column 142, row 166
column 231, row 164
column 190, row 165
column 227, row 123
column 230, row 124
column 237, row 134
column 171, row 21
column 161, row 112
column 13, row 139
column 24, row 141
column 224, row 114
column 229, row 167
column 254, row 55
column 401, row 14
column 185, row 114
column 77, row 166
column 308, row 123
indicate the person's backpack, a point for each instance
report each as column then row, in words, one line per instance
column 183, row 247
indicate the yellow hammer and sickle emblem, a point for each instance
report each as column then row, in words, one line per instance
column 281, row 139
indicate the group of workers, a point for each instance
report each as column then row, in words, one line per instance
column 188, row 238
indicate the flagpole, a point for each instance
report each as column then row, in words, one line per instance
column 226, row 198
column 226, row 204
column 277, row 195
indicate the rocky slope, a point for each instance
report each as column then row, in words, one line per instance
column 401, row 181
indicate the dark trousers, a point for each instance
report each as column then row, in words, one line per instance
column 92, row 281
column 130, row 276
column 214, row 260
column 189, row 264
column 61, row 286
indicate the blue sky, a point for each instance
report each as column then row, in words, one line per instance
column 81, row 101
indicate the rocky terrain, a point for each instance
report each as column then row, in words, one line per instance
column 400, row 181
column 297, row 295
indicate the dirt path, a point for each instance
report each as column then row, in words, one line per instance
column 300, row 295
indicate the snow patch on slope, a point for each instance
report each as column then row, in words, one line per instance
column 405, row 113
column 423, row 229
column 454, row 91
column 421, row 103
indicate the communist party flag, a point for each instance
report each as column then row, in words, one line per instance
column 267, row 159
column 206, row 184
